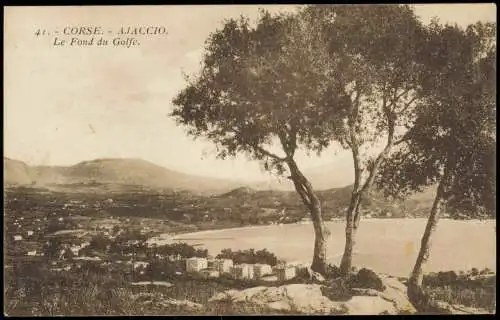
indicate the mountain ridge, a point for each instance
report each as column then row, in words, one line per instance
column 129, row 171
column 138, row 171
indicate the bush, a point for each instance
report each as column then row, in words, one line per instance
column 249, row 256
column 52, row 248
column 85, row 291
column 332, row 271
column 99, row 243
column 366, row 279
column 160, row 270
column 337, row 290
column 183, row 250
column 466, row 288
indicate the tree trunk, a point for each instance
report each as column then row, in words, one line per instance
column 353, row 215
column 352, row 222
column 319, row 263
column 415, row 292
column 306, row 192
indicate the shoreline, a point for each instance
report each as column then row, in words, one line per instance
column 175, row 236
column 202, row 232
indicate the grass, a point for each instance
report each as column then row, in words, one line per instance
column 32, row 289
column 465, row 289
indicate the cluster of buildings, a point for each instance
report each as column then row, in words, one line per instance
column 213, row 268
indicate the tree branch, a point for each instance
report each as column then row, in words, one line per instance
column 390, row 142
column 407, row 105
column 268, row 153
column 357, row 167
column 302, row 185
column 288, row 140
column 403, row 139
column 396, row 98
column 353, row 141
column 258, row 148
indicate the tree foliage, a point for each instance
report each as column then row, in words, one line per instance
column 258, row 88
column 249, row 256
column 263, row 88
column 376, row 48
column 455, row 125
column 371, row 54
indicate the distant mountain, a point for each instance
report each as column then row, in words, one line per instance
column 113, row 171
column 239, row 192
column 337, row 174
column 104, row 175
column 16, row 172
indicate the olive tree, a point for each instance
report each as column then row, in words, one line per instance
column 379, row 47
column 260, row 93
column 452, row 142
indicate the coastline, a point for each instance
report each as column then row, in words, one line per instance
column 204, row 232
column 175, row 236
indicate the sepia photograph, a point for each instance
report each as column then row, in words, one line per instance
column 250, row 160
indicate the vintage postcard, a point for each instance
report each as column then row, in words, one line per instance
column 250, row 160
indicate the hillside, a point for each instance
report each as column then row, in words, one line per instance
column 334, row 202
column 16, row 172
column 136, row 175
column 337, row 174
column 137, row 172
column 133, row 172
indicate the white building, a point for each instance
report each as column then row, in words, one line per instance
column 76, row 248
column 243, row 271
column 139, row 264
column 196, row 264
column 305, row 221
column 30, row 233
column 223, row 265
column 261, row 270
column 174, row 257
column 211, row 263
column 88, row 258
column 300, row 267
column 31, row 253
column 18, row 238
column 286, row 273
column 210, row 273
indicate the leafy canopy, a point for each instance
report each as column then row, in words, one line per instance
column 454, row 129
column 260, row 86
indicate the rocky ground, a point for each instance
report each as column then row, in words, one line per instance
column 319, row 298
column 311, row 299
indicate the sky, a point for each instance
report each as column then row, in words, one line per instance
column 66, row 104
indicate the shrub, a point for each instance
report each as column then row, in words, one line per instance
column 332, row 271
column 99, row 243
column 68, row 254
column 366, row 279
column 52, row 248
column 182, row 249
column 249, row 256
column 337, row 290
column 201, row 253
column 474, row 272
column 466, row 288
